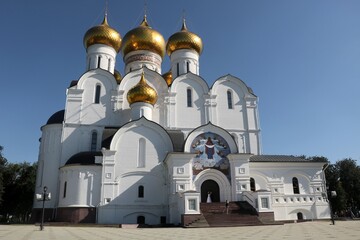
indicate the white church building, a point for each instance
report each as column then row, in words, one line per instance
column 148, row 147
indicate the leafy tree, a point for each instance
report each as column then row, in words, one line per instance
column 3, row 162
column 19, row 185
column 344, row 178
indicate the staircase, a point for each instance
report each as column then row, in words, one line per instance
column 214, row 215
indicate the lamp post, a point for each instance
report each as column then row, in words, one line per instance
column 43, row 208
column 331, row 195
column 44, row 196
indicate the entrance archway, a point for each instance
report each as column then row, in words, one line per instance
column 210, row 186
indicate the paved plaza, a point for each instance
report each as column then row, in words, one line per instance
column 344, row 230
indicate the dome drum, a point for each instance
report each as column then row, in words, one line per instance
column 107, row 55
column 137, row 59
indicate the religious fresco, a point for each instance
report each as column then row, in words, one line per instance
column 211, row 151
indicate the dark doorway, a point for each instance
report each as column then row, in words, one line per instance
column 300, row 216
column 210, row 186
column 140, row 220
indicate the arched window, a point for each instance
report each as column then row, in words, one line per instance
column 229, row 99
column 140, row 220
column 97, row 94
column 141, row 153
column 252, row 185
column 187, row 67
column 65, row 186
column 109, row 64
column 300, row 216
column 177, row 69
column 93, row 146
column 99, row 62
column 141, row 191
column 189, row 97
column 295, row 183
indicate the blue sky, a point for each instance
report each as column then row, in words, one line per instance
column 302, row 58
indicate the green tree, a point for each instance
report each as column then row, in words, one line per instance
column 19, row 185
column 3, row 162
column 344, row 178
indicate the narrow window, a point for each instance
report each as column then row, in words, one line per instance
column 140, row 220
column 252, row 185
column 109, row 64
column 89, row 62
column 295, row 183
column 264, row 203
column 65, row 186
column 141, row 153
column 93, row 141
column 97, row 94
column 99, row 61
column 141, row 191
column 189, row 97
column 229, row 99
column 177, row 69
column 192, row 204
column 187, row 67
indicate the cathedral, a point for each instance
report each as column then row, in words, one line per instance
column 154, row 147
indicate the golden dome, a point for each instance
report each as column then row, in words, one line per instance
column 142, row 92
column 143, row 38
column 117, row 76
column 184, row 40
column 103, row 34
column 168, row 77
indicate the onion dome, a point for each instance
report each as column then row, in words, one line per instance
column 143, row 38
column 184, row 40
column 103, row 34
column 117, row 76
column 168, row 77
column 142, row 92
column 56, row 118
column 84, row 158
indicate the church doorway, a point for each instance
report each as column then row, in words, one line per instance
column 210, row 186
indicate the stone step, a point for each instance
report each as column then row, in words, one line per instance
column 239, row 213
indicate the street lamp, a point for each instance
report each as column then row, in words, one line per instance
column 44, row 196
column 43, row 209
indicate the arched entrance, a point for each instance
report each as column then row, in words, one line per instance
column 210, row 186
column 140, row 220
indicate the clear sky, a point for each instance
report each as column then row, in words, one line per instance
column 301, row 58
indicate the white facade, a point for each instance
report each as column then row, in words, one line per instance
column 109, row 161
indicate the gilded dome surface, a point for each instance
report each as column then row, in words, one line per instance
column 103, row 34
column 117, row 76
column 142, row 92
column 168, row 77
column 184, row 40
column 143, row 38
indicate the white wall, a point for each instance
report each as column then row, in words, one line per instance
column 49, row 162
column 83, row 184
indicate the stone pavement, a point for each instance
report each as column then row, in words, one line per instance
column 344, row 230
